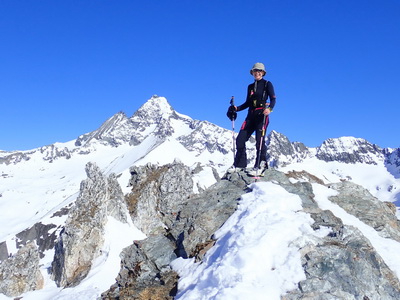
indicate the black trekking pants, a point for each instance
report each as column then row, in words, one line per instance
column 251, row 124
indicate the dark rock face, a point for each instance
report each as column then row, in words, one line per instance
column 41, row 234
column 3, row 251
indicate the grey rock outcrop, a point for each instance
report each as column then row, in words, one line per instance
column 162, row 202
column 51, row 153
column 158, row 194
column 392, row 163
column 344, row 265
column 15, row 157
column 359, row 202
column 81, row 239
column 182, row 225
column 20, row 273
column 145, row 271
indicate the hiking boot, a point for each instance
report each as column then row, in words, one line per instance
column 258, row 172
column 234, row 169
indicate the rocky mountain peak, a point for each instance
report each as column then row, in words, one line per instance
column 152, row 116
column 154, row 109
column 282, row 152
column 349, row 150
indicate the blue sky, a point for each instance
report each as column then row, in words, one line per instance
column 67, row 66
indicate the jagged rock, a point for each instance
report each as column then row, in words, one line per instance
column 51, row 153
column 182, row 224
column 162, row 202
column 347, row 267
column 15, row 157
column 357, row 201
column 342, row 265
column 202, row 215
column 20, row 273
column 158, row 194
column 394, row 157
column 145, row 271
column 281, row 152
column 81, row 239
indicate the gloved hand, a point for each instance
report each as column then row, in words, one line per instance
column 232, row 114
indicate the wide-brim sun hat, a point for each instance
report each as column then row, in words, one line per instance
column 258, row 66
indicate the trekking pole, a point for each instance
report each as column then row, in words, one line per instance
column 260, row 146
column 233, row 129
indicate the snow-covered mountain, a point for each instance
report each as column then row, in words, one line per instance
column 43, row 180
column 345, row 158
column 43, row 191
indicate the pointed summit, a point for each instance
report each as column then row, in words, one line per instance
column 155, row 108
column 157, row 115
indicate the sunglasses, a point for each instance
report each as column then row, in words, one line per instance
column 257, row 70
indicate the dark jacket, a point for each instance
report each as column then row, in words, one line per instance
column 257, row 95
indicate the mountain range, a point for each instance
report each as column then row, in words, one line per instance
column 136, row 175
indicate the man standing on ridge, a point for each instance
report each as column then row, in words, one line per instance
column 257, row 120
